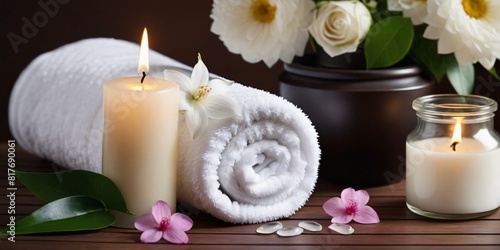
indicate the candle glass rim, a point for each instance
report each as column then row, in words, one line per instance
column 450, row 107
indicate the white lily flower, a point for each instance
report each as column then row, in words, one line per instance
column 202, row 99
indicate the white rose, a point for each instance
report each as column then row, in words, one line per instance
column 339, row 27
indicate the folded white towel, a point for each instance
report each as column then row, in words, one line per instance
column 257, row 167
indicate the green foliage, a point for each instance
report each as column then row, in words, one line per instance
column 391, row 39
column 52, row 186
column 77, row 200
column 388, row 41
column 494, row 73
column 74, row 213
column 424, row 52
column 461, row 77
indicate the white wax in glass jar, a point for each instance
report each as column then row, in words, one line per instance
column 440, row 180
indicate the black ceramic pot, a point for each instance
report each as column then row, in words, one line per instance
column 362, row 117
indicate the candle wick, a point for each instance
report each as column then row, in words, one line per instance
column 454, row 145
column 143, row 76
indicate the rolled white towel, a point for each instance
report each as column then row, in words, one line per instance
column 257, row 167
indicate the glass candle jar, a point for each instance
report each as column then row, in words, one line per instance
column 453, row 158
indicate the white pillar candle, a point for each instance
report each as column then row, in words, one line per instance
column 140, row 142
column 440, row 180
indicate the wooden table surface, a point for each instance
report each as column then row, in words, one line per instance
column 399, row 228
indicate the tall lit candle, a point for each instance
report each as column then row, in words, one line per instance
column 140, row 139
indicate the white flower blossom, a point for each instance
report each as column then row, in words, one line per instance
column 339, row 27
column 266, row 30
column 202, row 99
column 416, row 10
column 468, row 28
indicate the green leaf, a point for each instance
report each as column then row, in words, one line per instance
column 52, row 186
column 425, row 52
column 74, row 213
column 388, row 41
column 461, row 77
column 493, row 72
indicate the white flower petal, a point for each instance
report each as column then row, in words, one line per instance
column 488, row 63
column 220, row 107
column 463, row 56
column 181, row 79
column 432, row 33
column 186, row 101
column 414, row 9
column 196, row 121
column 393, row 5
column 199, row 76
column 446, row 44
column 417, row 12
column 219, row 86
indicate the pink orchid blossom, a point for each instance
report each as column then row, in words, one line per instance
column 351, row 206
column 161, row 222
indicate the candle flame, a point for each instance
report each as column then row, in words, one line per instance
column 457, row 136
column 457, row 133
column 144, row 53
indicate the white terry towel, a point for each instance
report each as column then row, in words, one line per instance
column 254, row 168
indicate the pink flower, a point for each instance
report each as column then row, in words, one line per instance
column 351, row 205
column 161, row 222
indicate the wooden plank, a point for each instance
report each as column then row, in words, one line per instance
column 273, row 239
column 306, row 213
column 22, row 245
column 462, row 233
column 323, row 188
column 425, row 226
column 396, row 227
column 317, row 213
column 375, row 201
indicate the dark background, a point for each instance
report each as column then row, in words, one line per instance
column 179, row 29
